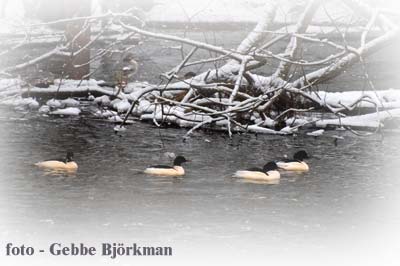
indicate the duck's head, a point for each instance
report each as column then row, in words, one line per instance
column 300, row 155
column 69, row 157
column 270, row 166
column 179, row 160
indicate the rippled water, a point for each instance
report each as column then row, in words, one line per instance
column 349, row 195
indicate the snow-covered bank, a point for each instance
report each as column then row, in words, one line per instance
column 106, row 105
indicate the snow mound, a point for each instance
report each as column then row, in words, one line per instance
column 122, row 106
column 289, row 130
column 103, row 100
column 105, row 113
column 53, row 103
column 119, row 128
column 44, row 109
column 316, row 133
column 69, row 102
column 115, row 119
column 67, row 111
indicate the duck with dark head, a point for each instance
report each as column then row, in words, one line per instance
column 267, row 173
column 295, row 164
column 175, row 170
column 66, row 163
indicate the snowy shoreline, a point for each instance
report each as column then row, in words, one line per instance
column 112, row 108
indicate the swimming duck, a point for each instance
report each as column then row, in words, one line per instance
column 296, row 164
column 267, row 173
column 175, row 170
column 66, row 164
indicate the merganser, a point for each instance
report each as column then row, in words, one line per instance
column 267, row 173
column 62, row 164
column 295, row 164
column 175, row 170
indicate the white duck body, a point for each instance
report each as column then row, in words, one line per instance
column 294, row 166
column 258, row 175
column 58, row 165
column 175, row 170
column 170, row 171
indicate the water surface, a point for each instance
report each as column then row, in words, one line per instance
column 345, row 205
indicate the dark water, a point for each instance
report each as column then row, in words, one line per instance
column 345, row 207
